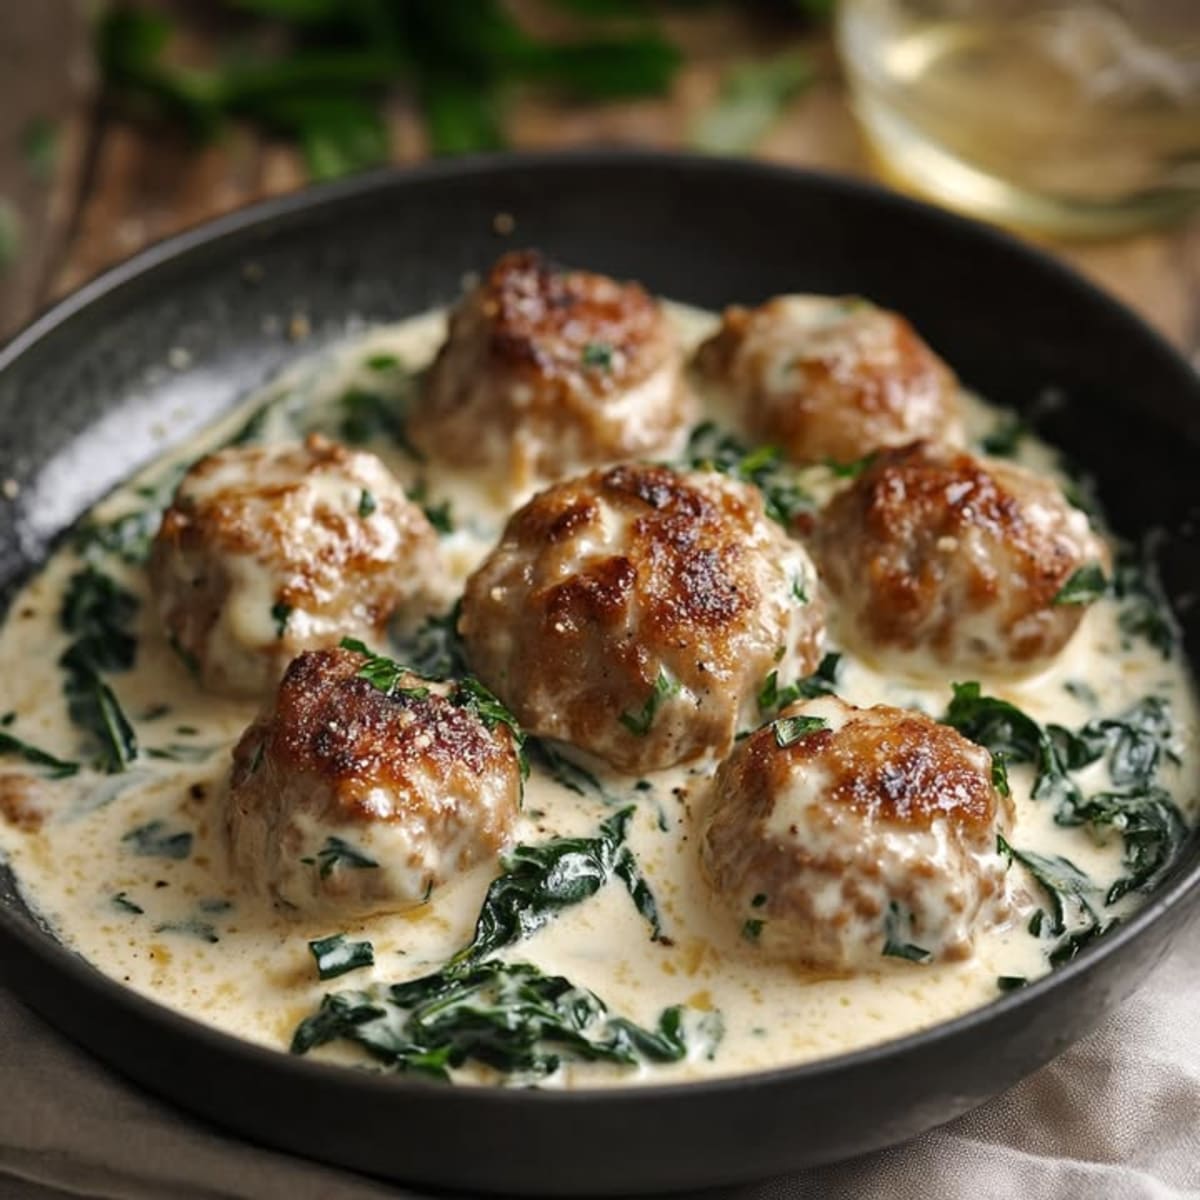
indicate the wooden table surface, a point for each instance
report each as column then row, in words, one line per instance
column 115, row 186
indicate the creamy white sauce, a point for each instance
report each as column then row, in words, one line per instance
column 257, row 979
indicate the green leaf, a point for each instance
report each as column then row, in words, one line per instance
column 434, row 650
column 122, row 902
column 607, row 68
column 281, row 613
column 789, row 730
column 569, row 774
column 822, row 682
column 894, row 945
column 598, row 355
column 58, row 768
column 1011, row 983
column 752, row 98
column 366, row 504
column 507, row 1016
column 640, row 723
column 1085, row 585
column 784, row 498
column 336, row 956
column 462, row 116
column 1144, row 611
column 1005, row 437
column 539, row 881
column 338, row 134
column 338, row 853
column 96, row 612
column 154, row 840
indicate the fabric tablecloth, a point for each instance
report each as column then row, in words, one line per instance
column 1117, row 1117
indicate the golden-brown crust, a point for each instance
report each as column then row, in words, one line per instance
column 930, row 542
column 829, row 378
column 602, row 583
column 546, row 370
column 906, row 770
column 883, row 814
column 329, row 723
column 291, row 516
column 543, row 318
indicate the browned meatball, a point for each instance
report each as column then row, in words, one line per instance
column 351, row 799
column 829, row 378
column 634, row 612
column 547, row 370
column 838, row 833
column 267, row 551
column 932, row 553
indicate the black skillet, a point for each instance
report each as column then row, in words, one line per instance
column 195, row 322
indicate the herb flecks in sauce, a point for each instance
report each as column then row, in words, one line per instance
column 339, row 853
column 335, row 955
column 641, row 722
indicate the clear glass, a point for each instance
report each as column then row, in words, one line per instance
column 1078, row 117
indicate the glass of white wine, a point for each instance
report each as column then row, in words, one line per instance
column 1062, row 117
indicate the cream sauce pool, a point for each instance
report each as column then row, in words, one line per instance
column 178, row 929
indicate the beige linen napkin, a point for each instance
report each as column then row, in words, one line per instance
column 1117, row 1117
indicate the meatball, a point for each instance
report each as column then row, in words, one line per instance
column 932, row 553
column 546, row 371
column 353, row 795
column 634, row 613
column 267, row 551
column 838, row 835
column 828, row 378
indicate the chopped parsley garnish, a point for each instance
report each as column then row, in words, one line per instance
column 894, row 943
column 640, row 723
column 783, row 495
column 366, row 503
column 1000, row 775
column 338, row 853
column 382, row 673
column 191, row 927
column 1085, row 585
column 1010, row 983
column 439, row 516
column 752, row 928
column 154, row 840
column 56, row 768
column 598, row 355
column 383, row 363
column 122, row 901
column 822, row 682
column 335, row 956
column 539, row 881
column 281, row 613
column 789, row 730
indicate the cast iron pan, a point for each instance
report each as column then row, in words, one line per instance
column 82, row 390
